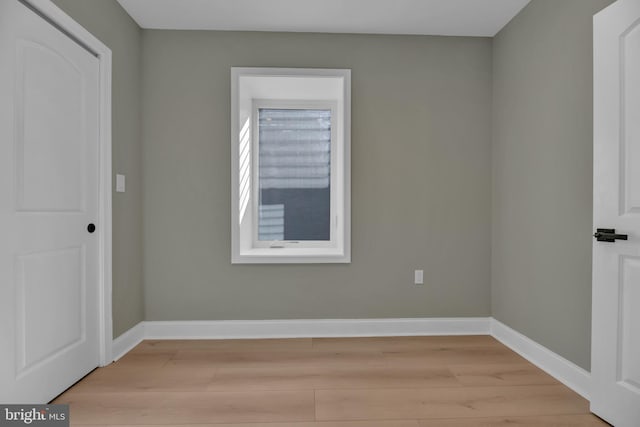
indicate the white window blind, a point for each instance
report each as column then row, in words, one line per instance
column 294, row 174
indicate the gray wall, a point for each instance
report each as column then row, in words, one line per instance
column 421, row 175
column 106, row 20
column 542, row 175
column 421, row 140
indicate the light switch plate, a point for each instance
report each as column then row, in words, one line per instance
column 120, row 183
column 418, row 277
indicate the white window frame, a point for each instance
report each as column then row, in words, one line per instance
column 292, row 94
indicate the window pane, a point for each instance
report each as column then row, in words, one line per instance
column 294, row 174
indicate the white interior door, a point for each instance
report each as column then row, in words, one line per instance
column 615, row 360
column 48, row 196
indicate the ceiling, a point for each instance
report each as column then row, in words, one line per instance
column 482, row 18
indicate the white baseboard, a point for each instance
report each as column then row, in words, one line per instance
column 125, row 342
column 314, row 328
column 555, row 365
column 560, row 368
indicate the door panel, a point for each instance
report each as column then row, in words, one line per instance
column 49, row 192
column 615, row 357
column 630, row 126
column 49, row 95
column 629, row 366
column 50, row 319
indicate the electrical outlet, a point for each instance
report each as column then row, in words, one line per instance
column 418, row 277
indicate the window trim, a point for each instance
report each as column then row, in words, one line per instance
column 337, row 250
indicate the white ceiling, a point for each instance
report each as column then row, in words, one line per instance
column 429, row 17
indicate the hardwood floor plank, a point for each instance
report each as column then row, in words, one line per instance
column 156, row 359
column 189, row 407
column 493, row 375
column 153, row 346
column 447, row 402
column 403, row 343
column 323, row 377
column 392, row 423
column 583, row 420
column 449, row 356
column 130, row 378
column 263, row 378
column 292, row 359
column 385, row 377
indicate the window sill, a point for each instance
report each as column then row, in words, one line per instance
column 291, row 256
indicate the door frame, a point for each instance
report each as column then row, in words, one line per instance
column 52, row 13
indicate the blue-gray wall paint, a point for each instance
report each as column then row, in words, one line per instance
column 421, row 133
column 542, row 175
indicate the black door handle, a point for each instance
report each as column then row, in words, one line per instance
column 608, row 235
column 91, row 228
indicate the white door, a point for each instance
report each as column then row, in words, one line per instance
column 615, row 359
column 48, row 196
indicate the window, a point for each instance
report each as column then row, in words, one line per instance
column 291, row 169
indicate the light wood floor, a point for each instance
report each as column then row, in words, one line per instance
column 328, row 382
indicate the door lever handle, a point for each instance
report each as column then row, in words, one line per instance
column 608, row 235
